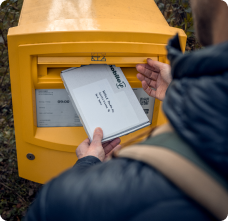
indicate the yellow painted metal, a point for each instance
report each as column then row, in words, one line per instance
column 57, row 34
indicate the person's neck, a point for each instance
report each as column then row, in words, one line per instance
column 220, row 30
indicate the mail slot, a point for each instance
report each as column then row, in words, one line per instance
column 52, row 36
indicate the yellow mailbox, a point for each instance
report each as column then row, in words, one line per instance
column 54, row 35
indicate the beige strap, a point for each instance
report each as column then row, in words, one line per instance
column 185, row 175
column 162, row 129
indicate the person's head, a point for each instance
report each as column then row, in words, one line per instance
column 210, row 18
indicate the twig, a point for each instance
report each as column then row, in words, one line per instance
column 164, row 7
column 5, row 41
column 4, row 76
column 13, row 191
column 15, row 8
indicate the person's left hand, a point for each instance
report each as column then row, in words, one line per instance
column 96, row 148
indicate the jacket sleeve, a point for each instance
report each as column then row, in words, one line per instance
column 119, row 189
column 86, row 162
column 37, row 210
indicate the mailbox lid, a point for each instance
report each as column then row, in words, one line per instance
column 126, row 21
column 92, row 21
column 95, row 11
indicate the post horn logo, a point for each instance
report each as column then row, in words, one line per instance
column 120, row 85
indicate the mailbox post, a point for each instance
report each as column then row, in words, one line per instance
column 55, row 35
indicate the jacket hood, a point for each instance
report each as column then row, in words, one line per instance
column 196, row 102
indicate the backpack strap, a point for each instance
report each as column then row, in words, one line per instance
column 196, row 182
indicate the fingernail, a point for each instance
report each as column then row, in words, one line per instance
column 98, row 129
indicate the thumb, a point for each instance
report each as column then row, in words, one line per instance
column 97, row 137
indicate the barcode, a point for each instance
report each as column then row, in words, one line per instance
column 146, row 111
column 144, row 100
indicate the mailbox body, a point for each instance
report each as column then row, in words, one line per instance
column 55, row 35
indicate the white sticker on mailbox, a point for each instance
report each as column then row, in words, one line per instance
column 54, row 108
column 146, row 102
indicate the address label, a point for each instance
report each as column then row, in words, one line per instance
column 54, row 108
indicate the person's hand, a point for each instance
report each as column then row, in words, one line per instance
column 155, row 75
column 96, row 148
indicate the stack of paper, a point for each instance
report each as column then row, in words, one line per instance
column 102, row 97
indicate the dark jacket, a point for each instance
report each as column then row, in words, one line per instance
column 124, row 189
column 197, row 101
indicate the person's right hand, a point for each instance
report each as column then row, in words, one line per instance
column 155, row 75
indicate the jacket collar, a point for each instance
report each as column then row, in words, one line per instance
column 193, row 64
column 196, row 101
